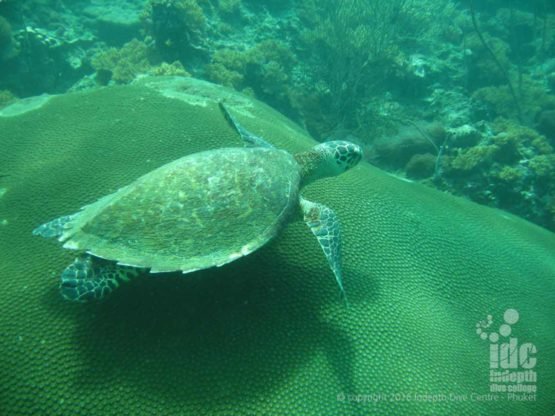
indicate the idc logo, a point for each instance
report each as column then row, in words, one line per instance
column 511, row 361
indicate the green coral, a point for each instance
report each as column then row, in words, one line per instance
column 173, row 69
column 6, row 97
column 531, row 95
column 510, row 174
column 355, row 61
column 498, row 99
column 188, row 12
column 124, row 64
column 227, row 342
column 347, row 39
column 227, row 68
column 511, row 169
column 263, row 69
column 177, row 27
column 229, row 7
column 520, row 139
column 134, row 58
column 544, row 166
column 509, row 147
column 483, row 71
column 474, row 157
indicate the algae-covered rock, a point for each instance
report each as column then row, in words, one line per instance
column 267, row 334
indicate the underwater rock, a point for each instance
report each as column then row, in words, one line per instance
column 395, row 151
column 421, row 166
column 267, row 334
column 47, row 60
column 464, row 136
column 115, row 22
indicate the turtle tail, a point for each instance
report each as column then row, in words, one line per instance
column 89, row 278
column 54, row 228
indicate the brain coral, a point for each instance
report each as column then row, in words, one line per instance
column 267, row 334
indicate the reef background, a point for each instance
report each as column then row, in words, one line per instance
column 456, row 94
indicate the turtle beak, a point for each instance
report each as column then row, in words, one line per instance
column 355, row 154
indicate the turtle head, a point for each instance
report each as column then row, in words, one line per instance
column 328, row 159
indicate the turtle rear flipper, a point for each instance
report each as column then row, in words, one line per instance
column 89, row 278
column 54, row 228
column 249, row 138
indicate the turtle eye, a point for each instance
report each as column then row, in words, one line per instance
column 347, row 155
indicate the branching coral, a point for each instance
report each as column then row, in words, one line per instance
column 472, row 158
column 227, row 67
column 134, row 58
column 165, row 69
column 262, row 69
column 511, row 167
column 529, row 142
column 498, row 100
column 351, row 38
column 177, row 26
column 355, row 55
column 122, row 65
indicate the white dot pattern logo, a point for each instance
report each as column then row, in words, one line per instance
column 505, row 330
column 510, row 317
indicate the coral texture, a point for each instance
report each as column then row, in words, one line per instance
column 267, row 334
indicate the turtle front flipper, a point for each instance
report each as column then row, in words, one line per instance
column 324, row 224
column 89, row 278
column 249, row 138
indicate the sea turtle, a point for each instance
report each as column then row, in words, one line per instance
column 203, row 210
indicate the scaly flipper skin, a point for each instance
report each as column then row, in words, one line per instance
column 54, row 228
column 249, row 138
column 327, row 159
column 324, row 224
column 89, row 278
